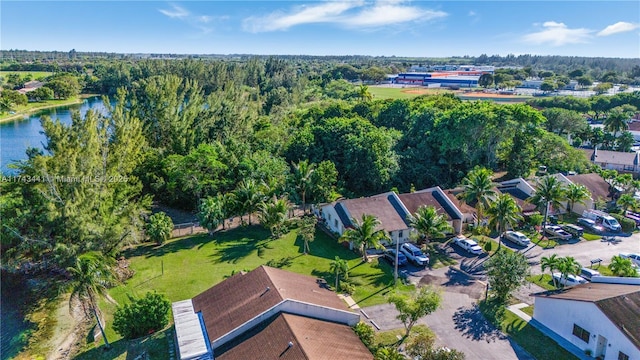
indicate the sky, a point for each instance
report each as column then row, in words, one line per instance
column 302, row 27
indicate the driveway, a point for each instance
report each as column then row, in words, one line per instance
column 457, row 323
column 584, row 251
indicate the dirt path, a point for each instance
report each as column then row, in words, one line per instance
column 68, row 332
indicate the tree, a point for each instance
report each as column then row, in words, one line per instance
column 616, row 121
column 548, row 86
column 477, row 190
column 568, row 265
column 211, row 213
column 429, row 224
column 506, row 272
column 562, row 121
column 627, row 201
column 551, row 263
column 303, row 180
column 388, row 353
column 324, row 180
column 9, row 99
column 340, row 268
column 364, row 94
column 273, row 215
column 485, row 80
column 248, row 197
column 602, row 88
column 423, row 302
column 625, row 141
column 159, row 228
column 40, row 94
column 142, row 316
column 90, row 277
column 364, row 235
column 549, row 192
column 622, row 267
column 366, row 334
column 503, row 212
column 307, row 231
column 584, row 80
column 576, row 193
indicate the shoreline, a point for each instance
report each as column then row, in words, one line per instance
column 26, row 113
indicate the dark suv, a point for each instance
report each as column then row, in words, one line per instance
column 390, row 255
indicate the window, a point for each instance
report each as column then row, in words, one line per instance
column 581, row 333
column 622, row 356
column 335, row 223
column 400, row 234
column 329, row 217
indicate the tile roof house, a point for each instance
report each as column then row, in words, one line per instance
column 601, row 318
column 627, row 162
column 600, row 189
column 267, row 311
column 392, row 210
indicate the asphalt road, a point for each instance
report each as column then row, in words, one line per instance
column 458, row 323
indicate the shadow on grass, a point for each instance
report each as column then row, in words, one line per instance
column 472, row 324
column 155, row 346
column 324, row 246
column 384, row 291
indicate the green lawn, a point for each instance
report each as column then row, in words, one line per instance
column 528, row 310
column 591, row 237
column 402, row 93
column 544, row 281
column 33, row 107
column 531, row 339
column 184, row 267
column 438, row 259
column 35, row 75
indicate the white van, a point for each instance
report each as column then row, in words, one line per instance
column 604, row 219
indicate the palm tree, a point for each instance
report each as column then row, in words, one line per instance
column 248, row 197
column 503, row 212
column 622, row 267
column 339, row 267
column 576, row 193
column 303, row 179
column 91, row 276
column 478, row 190
column 364, row 234
column 364, row 94
column 273, row 215
column 551, row 263
column 627, row 201
column 428, row 223
column 550, row 191
column 211, row 213
column 616, row 121
column 568, row 265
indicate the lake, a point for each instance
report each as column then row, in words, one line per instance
column 16, row 136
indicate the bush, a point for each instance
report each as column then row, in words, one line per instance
column 627, row 224
column 366, row 334
column 142, row 316
column 159, row 227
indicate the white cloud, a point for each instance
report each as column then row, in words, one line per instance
column 346, row 13
column 176, row 12
column 472, row 13
column 197, row 21
column 558, row 34
column 618, row 27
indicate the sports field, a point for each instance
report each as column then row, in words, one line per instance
column 388, row 92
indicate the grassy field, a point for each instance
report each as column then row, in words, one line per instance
column 403, row 93
column 184, row 267
column 544, row 281
column 532, row 340
column 528, row 310
column 35, row 75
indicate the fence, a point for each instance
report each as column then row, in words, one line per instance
column 187, row 229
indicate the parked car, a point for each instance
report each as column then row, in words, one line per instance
column 390, row 255
column 574, row 230
column 556, row 231
column 517, row 238
column 591, row 225
column 414, row 254
column 633, row 216
column 570, row 280
column 635, row 258
column 604, row 219
column 587, row 273
column 467, row 244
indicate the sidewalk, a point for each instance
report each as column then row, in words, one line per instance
column 577, row 352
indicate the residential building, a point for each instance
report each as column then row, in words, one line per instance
column 267, row 311
column 520, row 190
column 625, row 162
column 594, row 318
column 600, row 190
column 392, row 211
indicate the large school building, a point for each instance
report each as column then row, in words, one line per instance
column 463, row 76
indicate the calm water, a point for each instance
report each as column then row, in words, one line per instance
column 14, row 329
column 17, row 136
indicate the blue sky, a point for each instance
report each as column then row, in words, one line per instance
column 355, row 27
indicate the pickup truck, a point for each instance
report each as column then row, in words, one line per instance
column 467, row 244
column 556, row 231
